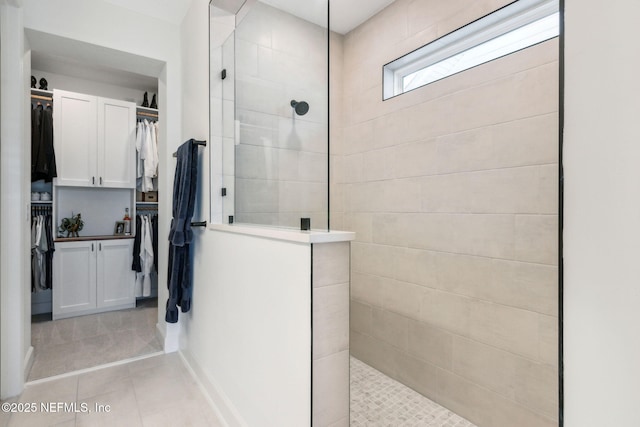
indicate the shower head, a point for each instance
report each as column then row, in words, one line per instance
column 301, row 107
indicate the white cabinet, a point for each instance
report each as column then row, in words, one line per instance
column 92, row 276
column 116, row 143
column 74, row 278
column 115, row 279
column 74, row 137
column 94, row 140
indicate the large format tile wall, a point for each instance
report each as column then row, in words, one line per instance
column 281, row 158
column 330, row 367
column 452, row 191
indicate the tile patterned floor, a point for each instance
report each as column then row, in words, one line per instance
column 377, row 400
column 68, row 345
column 154, row 392
column 159, row 391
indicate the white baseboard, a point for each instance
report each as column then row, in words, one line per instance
column 28, row 362
column 219, row 401
column 171, row 337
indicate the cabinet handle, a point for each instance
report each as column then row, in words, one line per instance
column 100, row 180
column 99, row 246
column 92, row 247
column 93, row 180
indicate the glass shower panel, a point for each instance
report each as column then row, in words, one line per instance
column 280, row 128
column 221, row 110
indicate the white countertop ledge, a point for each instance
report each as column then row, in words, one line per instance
column 287, row 234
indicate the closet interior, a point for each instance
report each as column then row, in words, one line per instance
column 94, row 208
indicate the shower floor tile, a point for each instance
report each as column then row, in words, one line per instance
column 377, row 400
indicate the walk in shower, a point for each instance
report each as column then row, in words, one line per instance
column 451, row 189
column 269, row 71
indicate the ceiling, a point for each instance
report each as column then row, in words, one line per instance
column 167, row 10
column 345, row 14
column 348, row 14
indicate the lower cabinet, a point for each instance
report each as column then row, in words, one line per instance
column 92, row 276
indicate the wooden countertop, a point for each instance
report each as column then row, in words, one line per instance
column 86, row 238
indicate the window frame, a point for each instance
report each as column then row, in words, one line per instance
column 508, row 18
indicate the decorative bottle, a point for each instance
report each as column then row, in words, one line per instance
column 127, row 222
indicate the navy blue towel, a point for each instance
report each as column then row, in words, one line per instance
column 180, row 234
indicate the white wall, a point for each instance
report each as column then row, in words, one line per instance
column 26, row 189
column 602, row 214
column 248, row 333
column 14, row 336
column 105, row 25
column 100, row 207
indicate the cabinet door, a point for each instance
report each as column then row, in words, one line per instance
column 74, row 278
column 116, row 143
column 74, row 138
column 116, row 280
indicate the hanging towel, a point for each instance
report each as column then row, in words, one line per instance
column 180, row 234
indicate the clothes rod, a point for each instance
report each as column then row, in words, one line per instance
column 44, row 98
column 203, row 143
column 140, row 113
column 199, row 224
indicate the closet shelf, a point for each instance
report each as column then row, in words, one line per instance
column 86, row 238
column 147, row 109
column 147, row 112
column 154, row 116
column 44, row 95
column 147, row 203
column 41, row 91
column 41, row 202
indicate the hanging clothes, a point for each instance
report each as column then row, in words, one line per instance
column 147, row 156
column 143, row 278
column 136, row 265
column 48, row 226
column 154, row 239
column 180, row 235
column 43, row 157
column 41, row 253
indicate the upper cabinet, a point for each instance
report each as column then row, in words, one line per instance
column 94, row 140
column 75, row 138
column 116, row 143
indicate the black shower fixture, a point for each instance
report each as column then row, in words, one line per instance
column 301, row 107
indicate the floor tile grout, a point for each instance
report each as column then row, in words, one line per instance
column 379, row 400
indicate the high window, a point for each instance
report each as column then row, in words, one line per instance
column 516, row 26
